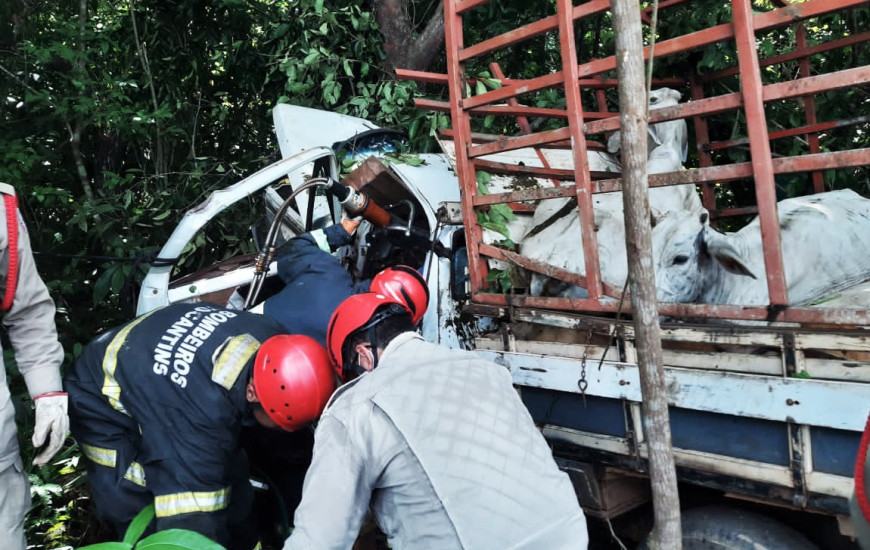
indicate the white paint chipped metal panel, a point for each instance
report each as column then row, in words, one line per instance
column 838, row 405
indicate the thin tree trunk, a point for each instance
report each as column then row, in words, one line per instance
column 633, row 120
column 75, row 139
column 75, row 129
column 160, row 163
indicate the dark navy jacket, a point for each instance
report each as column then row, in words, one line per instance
column 315, row 283
column 158, row 382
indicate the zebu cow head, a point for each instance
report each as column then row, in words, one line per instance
column 689, row 256
column 672, row 132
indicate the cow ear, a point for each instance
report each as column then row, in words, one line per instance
column 734, row 265
column 703, row 217
column 721, row 247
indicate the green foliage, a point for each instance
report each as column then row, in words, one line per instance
column 60, row 512
column 781, row 115
column 139, row 524
column 495, row 218
column 330, row 56
column 170, row 539
column 116, row 123
column 500, row 280
column 595, row 40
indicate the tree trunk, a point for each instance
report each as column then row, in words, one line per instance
column 638, row 234
column 403, row 50
column 161, row 163
column 76, row 128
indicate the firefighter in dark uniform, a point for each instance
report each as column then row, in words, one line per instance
column 158, row 404
column 315, row 283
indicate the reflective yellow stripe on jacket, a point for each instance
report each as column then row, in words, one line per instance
column 136, row 474
column 100, row 455
column 233, row 358
column 187, row 503
column 109, row 458
column 111, row 389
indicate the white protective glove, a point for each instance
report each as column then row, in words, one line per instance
column 51, row 417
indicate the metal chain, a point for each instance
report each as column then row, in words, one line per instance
column 583, row 383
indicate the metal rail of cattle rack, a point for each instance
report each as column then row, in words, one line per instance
column 577, row 75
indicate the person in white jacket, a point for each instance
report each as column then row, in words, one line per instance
column 28, row 316
column 435, row 441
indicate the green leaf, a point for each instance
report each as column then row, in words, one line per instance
column 497, row 227
column 501, row 279
column 139, row 524
column 412, row 160
column 178, row 539
column 496, row 275
column 108, row 546
column 102, row 286
column 479, row 88
column 492, row 83
column 504, row 211
column 802, row 374
column 118, row 278
column 312, row 55
column 483, row 178
column 280, row 30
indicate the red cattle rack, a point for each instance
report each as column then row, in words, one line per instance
column 580, row 130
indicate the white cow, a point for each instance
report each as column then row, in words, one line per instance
column 825, row 248
column 555, row 235
column 667, row 142
column 558, row 243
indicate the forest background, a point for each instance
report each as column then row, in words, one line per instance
column 118, row 116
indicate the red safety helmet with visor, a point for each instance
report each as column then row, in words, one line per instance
column 355, row 314
column 293, row 379
column 406, row 285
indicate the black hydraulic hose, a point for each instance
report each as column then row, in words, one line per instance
column 264, row 258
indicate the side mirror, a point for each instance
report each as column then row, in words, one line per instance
column 460, row 280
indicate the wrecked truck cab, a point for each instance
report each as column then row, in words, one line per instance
column 418, row 196
column 218, row 282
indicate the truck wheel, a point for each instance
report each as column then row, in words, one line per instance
column 724, row 528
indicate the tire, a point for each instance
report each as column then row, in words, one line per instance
column 725, row 528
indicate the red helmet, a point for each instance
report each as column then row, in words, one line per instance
column 357, row 312
column 293, row 379
column 406, row 285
